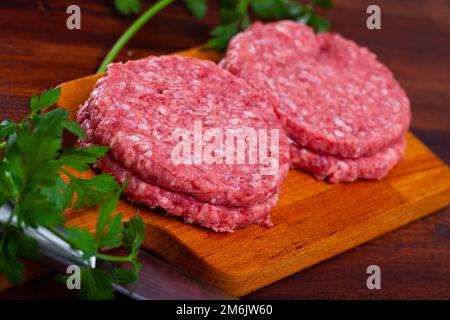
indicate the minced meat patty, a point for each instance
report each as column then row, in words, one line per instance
column 331, row 95
column 137, row 107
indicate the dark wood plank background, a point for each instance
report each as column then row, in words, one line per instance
column 37, row 52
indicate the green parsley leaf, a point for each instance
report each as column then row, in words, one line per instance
column 222, row 35
column 319, row 23
column 35, row 208
column 133, row 235
column 79, row 158
column 82, row 239
column 326, row 4
column 30, row 162
column 30, row 177
column 96, row 284
column 278, row 9
column 105, row 213
column 128, row 7
column 90, row 191
column 8, row 189
column 241, row 6
column 45, row 100
column 75, row 128
column 55, row 194
column 124, row 275
column 42, row 141
column 112, row 238
column 197, row 7
column 15, row 245
column 233, row 18
column 28, row 247
column 10, row 265
column 36, row 145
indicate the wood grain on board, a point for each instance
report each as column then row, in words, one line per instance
column 313, row 220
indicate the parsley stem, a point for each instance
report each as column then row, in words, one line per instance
column 129, row 33
column 107, row 257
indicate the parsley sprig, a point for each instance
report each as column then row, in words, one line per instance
column 234, row 17
column 38, row 178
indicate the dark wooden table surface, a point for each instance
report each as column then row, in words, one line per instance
column 37, row 51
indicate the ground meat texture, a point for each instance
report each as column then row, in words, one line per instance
column 331, row 95
column 219, row 218
column 335, row 169
column 136, row 107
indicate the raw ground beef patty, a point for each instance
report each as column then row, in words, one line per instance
column 217, row 217
column 331, row 95
column 336, row 169
column 138, row 106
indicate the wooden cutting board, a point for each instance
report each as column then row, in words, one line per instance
column 313, row 220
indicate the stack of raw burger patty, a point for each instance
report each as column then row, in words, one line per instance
column 343, row 110
column 135, row 108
